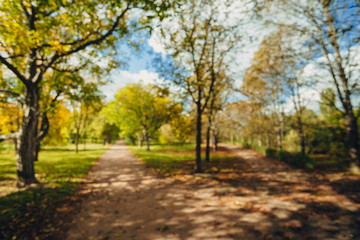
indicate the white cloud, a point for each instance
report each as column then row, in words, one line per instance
column 155, row 42
column 120, row 78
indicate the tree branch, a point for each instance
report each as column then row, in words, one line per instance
column 100, row 39
column 14, row 70
column 15, row 135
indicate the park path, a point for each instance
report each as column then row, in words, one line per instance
column 270, row 200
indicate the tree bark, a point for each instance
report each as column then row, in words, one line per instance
column 301, row 134
column 344, row 95
column 77, row 137
column 198, row 168
column 84, row 127
column 216, row 141
column 139, row 140
column 26, row 149
column 207, row 155
column 146, row 136
column 353, row 141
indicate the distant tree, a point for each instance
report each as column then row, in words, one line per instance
column 199, row 42
column 143, row 109
column 84, row 101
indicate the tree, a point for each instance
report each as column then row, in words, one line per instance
column 143, row 109
column 280, row 66
column 332, row 31
column 38, row 37
column 85, row 100
column 198, row 43
column 217, row 102
column 60, row 121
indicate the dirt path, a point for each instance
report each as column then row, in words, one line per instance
column 268, row 201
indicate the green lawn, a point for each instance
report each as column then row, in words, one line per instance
column 170, row 160
column 59, row 167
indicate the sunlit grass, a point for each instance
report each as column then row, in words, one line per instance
column 59, row 168
column 169, row 160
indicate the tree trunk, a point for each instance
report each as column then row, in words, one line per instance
column 353, row 141
column 267, row 141
column 301, row 133
column 109, row 137
column 279, row 142
column 216, row 141
column 37, row 150
column 207, row 156
column 146, row 136
column 139, row 140
column 26, row 149
column 78, row 124
column 345, row 94
column 198, row 168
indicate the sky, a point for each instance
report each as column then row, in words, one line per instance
column 140, row 63
column 140, row 68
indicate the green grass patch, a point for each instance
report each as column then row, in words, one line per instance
column 59, row 167
column 170, row 160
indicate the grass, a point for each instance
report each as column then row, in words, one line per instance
column 170, row 160
column 320, row 161
column 59, row 167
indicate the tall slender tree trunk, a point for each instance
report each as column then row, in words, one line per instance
column 301, row 134
column 267, row 140
column 37, row 150
column 345, row 93
column 77, row 137
column 198, row 168
column 216, row 140
column 353, row 140
column 139, row 140
column 146, row 136
column 84, row 127
column 26, row 144
column 207, row 155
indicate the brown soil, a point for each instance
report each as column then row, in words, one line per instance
column 267, row 200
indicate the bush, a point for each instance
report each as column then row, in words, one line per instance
column 283, row 156
column 270, row 153
column 302, row 161
column 298, row 159
column 247, row 146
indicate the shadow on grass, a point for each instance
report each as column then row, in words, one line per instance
column 23, row 212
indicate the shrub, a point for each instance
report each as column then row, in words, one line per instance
column 270, row 153
column 283, row 156
column 302, row 161
column 298, row 159
column 247, row 146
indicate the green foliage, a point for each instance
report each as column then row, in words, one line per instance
column 247, row 146
column 139, row 110
column 297, row 159
column 271, row 153
column 167, row 135
column 302, row 161
column 283, row 156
